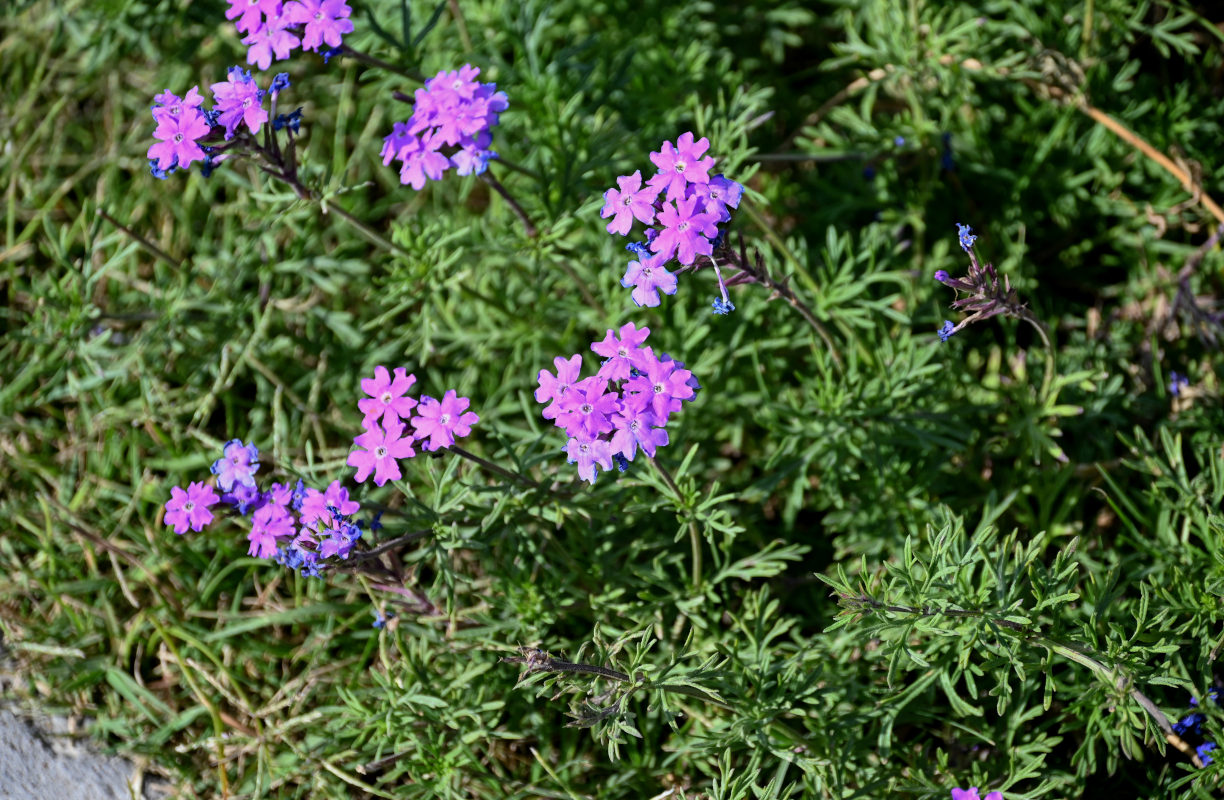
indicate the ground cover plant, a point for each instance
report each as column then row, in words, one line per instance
column 618, row 400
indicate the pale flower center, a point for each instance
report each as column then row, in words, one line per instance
column 380, row 452
column 188, row 506
column 386, row 398
column 444, row 419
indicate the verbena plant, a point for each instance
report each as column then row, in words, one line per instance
column 906, row 509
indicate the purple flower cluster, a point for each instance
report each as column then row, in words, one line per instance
column 621, row 408
column 449, row 127
column 972, row 794
column 682, row 205
column 183, row 123
column 300, row 527
column 387, row 408
column 275, row 28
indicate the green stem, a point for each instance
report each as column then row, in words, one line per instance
column 496, row 185
column 1113, row 675
column 1046, row 379
column 148, row 245
column 694, row 534
column 370, row 60
column 494, row 468
column 363, row 228
column 457, row 15
column 539, row 661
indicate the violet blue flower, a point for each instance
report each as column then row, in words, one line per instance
column 238, row 464
column 587, row 453
column 648, row 277
column 189, row 509
column 966, row 237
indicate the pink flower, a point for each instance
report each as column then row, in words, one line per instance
column 179, row 135
column 636, row 429
column 269, row 523
column 189, row 509
column 168, row 105
column 681, row 164
column 554, row 388
column 422, row 162
column 325, row 21
column 624, row 354
column 268, row 40
column 972, row 794
column 686, row 232
column 379, row 452
column 660, row 388
column 239, row 100
column 441, row 422
column 315, row 504
column 250, row 13
column 386, row 396
column 630, row 202
column 588, row 407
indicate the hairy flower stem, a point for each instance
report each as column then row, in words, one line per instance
column 694, row 534
column 142, row 241
column 495, row 184
column 364, row 229
column 371, row 61
column 494, row 468
column 282, row 165
column 535, row 660
column 1113, row 675
column 1031, row 318
column 461, row 24
column 755, row 271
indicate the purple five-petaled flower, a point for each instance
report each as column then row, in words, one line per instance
column 631, row 201
column 237, row 465
column 681, row 164
column 379, row 451
column 441, row 421
column 189, row 508
column 387, row 399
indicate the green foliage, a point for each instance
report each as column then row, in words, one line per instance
column 869, row 564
